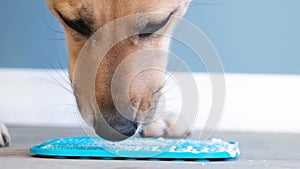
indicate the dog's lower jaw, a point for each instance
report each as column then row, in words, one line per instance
column 4, row 136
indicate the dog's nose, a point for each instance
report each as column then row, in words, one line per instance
column 119, row 128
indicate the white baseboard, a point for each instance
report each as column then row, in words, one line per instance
column 265, row 103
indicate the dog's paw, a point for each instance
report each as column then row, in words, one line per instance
column 4, row 136
column 169, row 126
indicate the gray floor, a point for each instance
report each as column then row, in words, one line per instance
column 259, row 150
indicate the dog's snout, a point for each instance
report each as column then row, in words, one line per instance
column 119, row 128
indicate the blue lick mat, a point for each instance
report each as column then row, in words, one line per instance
column 138, row 148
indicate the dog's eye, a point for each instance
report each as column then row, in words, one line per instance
column 151, row 28
column 78, row 25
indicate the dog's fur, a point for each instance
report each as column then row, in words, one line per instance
column 4, row 137
column 92, row 15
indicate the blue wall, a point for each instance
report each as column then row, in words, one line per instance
column 251, row 36
column 26, row 41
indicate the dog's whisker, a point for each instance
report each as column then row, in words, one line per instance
column 49, row 27
column 158, row 110
column 65, row 79
column 164, row 92
column 197, row 3
column 167, row 81
column 69, row 104
column 58, row 39
column 58, row 84
column 171, row 99
column 159, row 90
column 63, row 69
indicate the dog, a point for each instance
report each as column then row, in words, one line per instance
column 80, row 19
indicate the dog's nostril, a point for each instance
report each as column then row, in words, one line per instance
column 143, row 105
column 135, row 104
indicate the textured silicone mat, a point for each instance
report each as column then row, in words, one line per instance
column 138, row 148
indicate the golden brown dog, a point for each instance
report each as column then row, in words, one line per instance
column 82, row 18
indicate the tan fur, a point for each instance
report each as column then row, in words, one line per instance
column 97, row 13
